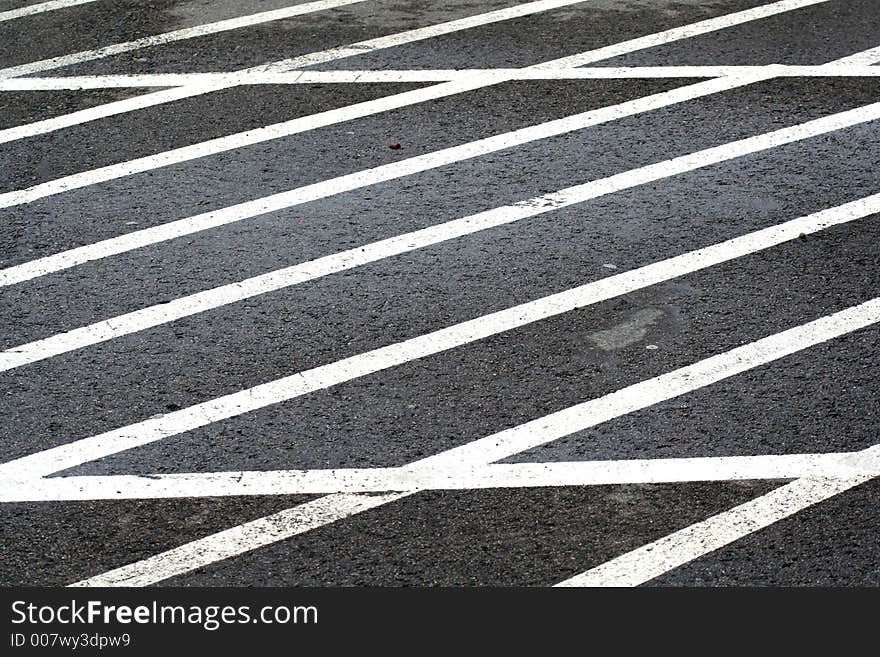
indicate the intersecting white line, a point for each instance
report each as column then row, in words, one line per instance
column 581, row 59
column 360, row 179
column 176, row 35
column 504, row 444
column 333, row 186
column 363, row 364
column 384, row 480
column 171, row 230
column 40, row 8
column 370, row 45
column 133, row 80
column 654, row 559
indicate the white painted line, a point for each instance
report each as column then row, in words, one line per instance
column 213, row 219
column 409, row 36
column 655, row 559
column 668, row 36
column 679, row 33
column 40, row 8
column 199, row 302
column 242, row 538
column 222, row 144
column 864, row 58
column 385, row 480
column 646, row 393
column 341, row 184
column 139, row 320
column 210, row 549
column 176, row 35
column 81, row 116
column 302, row 124
column 214, row 80
column 210, row 80
column 210, row 484
column 103, row 111
column 273, row 392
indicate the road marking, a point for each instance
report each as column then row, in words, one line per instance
column 655, row 559
column 387, row 480
column 680, row 33
column 40, row 8
column 360, row 179
column 866, row 57
column 246, row 537
column 345, row 183
column 370, row 45
column 228, row 142
column 411, row 36
column 666, row 386
column 125, row 81
column 369, row 362
column 101, row 111
column 592, row 56
column 507, row 443
column 217, row 297
column 172, row 37
column 138, row 239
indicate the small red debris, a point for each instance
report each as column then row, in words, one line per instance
column 394, row 146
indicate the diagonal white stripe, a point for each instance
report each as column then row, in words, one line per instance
column 213, row 219
column 652, row 560
column 376, row 360
column 507, row 443
column 418, row 164
column 207, row 300
column 864, row 58
column 257, row 533
column 40, row 8
column 679, row 33
column 348, row 182
column 176, row 35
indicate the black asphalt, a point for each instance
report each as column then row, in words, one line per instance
column 823, row 399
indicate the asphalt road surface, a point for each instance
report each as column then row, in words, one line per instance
column 478, row 292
